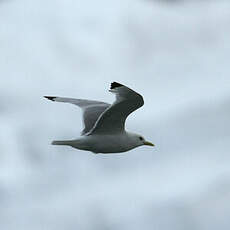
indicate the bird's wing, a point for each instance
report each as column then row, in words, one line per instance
column 91, row 110
column 112, row 120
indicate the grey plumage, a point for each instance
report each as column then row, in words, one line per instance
column 91, row 110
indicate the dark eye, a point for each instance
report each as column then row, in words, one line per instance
column 141, row 138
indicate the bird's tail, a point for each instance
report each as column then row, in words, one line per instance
column 67, row 142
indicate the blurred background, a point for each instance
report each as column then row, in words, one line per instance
column 176, row 54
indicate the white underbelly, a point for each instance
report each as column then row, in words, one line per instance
column 107, row 143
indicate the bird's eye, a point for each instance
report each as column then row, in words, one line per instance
column 141, row 138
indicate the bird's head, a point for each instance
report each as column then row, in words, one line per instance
column 140, row 140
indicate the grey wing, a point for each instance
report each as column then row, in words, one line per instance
column 91, row 114
column 91, row 110
column 112, row 120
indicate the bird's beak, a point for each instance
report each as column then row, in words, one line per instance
column 148, row 143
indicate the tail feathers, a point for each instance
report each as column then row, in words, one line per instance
column 61, row 143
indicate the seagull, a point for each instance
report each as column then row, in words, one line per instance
column 104, row 124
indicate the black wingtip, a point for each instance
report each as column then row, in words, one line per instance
column 49, row 98
column 115, row 85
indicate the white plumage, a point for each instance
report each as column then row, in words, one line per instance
column 104, row 130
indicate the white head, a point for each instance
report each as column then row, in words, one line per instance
column 139, row 140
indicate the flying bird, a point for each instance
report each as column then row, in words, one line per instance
column 104, row 124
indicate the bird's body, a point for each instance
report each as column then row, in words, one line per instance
column 112, row 143
column 104, row 130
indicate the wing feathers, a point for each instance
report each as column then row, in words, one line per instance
column 100, row 117
column 50, row 98
column 112, row 120
column 115, row 85
column 79, row 102
column 91, row 110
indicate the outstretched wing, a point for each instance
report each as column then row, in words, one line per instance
column 91, row 110
column 112, row 120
